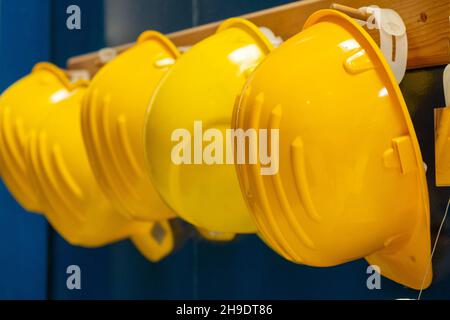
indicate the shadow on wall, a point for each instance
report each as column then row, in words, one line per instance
column 171, row 15
column 23, row 236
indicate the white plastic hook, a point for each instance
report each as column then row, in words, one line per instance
column 391, row 28
column 184, row 49
column 105, row 55
column 276, row 41
column 447, row 85
column 76, row 75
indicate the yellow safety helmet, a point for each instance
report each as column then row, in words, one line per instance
column 70, row 196
column 351, row 181
column 202, row 86
column 113, row 117
column 22, row 106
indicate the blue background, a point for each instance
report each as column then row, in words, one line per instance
column 33, row 258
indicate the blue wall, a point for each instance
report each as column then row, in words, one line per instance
column 24, row 40
column 245, row 268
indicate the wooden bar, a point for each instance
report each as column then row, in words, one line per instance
column 427, row 23
column 351, row 12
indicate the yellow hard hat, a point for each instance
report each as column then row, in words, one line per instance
column 22, row 106
column 351, row 180
column 113, row 117
column 70, row 196
column 202, row 86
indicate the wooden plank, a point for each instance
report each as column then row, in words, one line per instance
column 427, row 23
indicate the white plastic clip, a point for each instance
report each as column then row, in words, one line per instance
column 184, row 49
column 76, row 75
column 276, row 41
column 447, row 85
column 391, row 28
column 105, row 55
